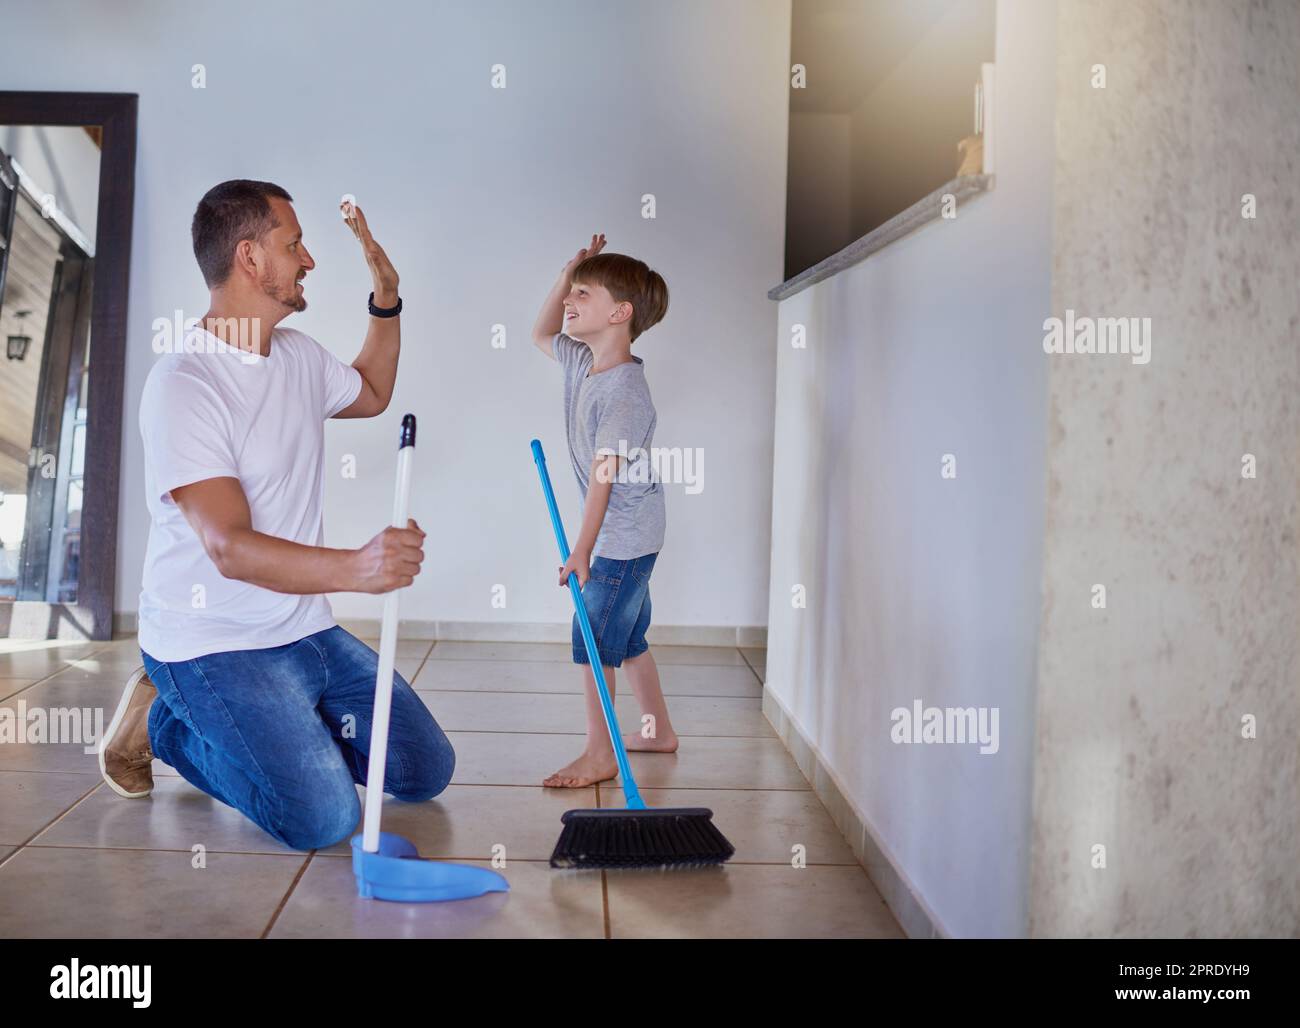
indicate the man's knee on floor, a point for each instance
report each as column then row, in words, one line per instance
column 429, row 777
column 331, row 817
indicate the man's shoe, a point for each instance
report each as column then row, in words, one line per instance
column 125, row 759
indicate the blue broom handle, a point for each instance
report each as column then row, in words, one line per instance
column 634, row 800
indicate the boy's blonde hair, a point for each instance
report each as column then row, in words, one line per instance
column 628, row 281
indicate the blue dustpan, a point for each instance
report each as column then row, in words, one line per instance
column 397, row 872
column 388, row 867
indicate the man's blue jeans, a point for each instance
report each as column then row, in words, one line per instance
column 283, row 734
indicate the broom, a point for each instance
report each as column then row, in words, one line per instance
column 638, row 836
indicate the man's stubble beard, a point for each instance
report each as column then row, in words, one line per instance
column 290, row 297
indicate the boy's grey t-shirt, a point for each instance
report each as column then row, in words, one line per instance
column 611, row 412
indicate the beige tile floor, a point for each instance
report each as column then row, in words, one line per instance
column 76, row 860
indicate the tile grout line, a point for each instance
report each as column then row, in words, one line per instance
column 107, row 645
column 49, row 824
column 68, row 666
column 680, row 735
column 567, row 663
column 554, row 692
column 423, row 660
column 754, row 671
column 468, row 785
column 60, row 816
column 345, row 856
column 493, row 785
column 325, row 855
column 39, row 681
column 159, row 849
column 285, row 898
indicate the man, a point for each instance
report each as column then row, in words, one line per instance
column 250, row 689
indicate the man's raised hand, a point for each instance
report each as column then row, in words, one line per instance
column 382, row 272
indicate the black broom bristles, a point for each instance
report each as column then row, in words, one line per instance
column 656, row 837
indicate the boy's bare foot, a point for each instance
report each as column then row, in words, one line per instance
column 588, row 769
column 660, row 744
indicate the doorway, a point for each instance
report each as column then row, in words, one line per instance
column 46, row 275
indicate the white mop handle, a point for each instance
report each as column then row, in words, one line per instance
column 384, row 679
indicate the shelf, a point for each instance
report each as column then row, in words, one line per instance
column 926, row 209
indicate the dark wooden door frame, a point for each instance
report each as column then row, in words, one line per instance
column 91, row 616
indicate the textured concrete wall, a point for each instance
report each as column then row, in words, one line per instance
column 1139, row 743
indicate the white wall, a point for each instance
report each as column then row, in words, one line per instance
column 920, row 587
column 479, row 196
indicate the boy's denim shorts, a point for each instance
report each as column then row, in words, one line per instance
column 618, row 604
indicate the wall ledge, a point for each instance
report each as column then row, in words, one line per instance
column 925, row 210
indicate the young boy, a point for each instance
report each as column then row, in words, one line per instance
column 595, row 311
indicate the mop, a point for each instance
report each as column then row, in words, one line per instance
column 638, row 837
column 388, row 867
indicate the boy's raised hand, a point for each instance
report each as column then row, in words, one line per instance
column 594, row 247
column 550, row 319
column 382, row 272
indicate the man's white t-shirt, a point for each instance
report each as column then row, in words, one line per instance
column 223, row 412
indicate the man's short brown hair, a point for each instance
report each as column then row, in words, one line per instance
column 628, row 281
column 234, row 210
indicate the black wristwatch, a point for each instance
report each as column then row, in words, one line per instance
column 384, row 312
